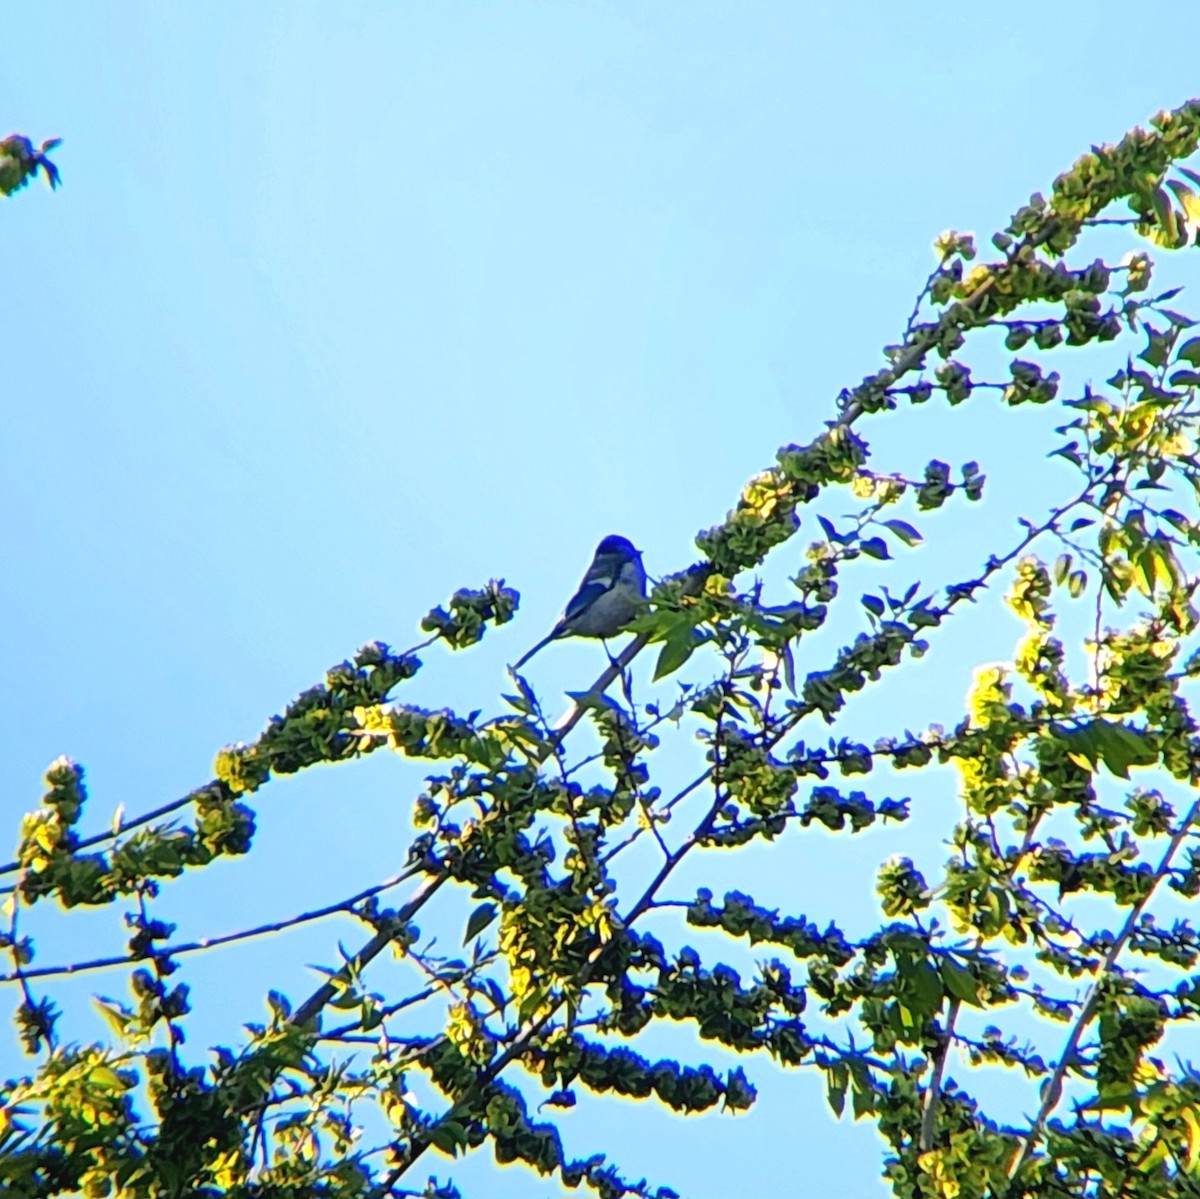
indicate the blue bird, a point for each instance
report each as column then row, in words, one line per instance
column 608, row 598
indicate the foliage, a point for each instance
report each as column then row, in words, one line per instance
column 20, row 161
column 1041, row 918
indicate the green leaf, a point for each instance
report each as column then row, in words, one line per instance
column 904, row 531
column 677, row 649
column 1152, row 1160
column 1143, row 573
column 522, row 703
column 1118, row 746
column 836, row 1083
column 960, row 982
column 448, row 1137
column 532, row 1002
column 789, row 669
column 480, row 918
column 1190, row 351
column 1187, row 201
column 589, row 700
column 1155, row 567
column 873, row 604
column 863, row 1101
column 369, row 1014
column 1176, row 318
column 828, row 527
column 1164, row 211
column 106, row 1078
column 921, row 987
column 115, row 1015
column 1157, row 348
column 1122, row 747
column 875, row 547
column 1166, row 569
column 1114, row 1096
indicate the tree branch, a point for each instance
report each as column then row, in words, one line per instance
column 1052, row 1091
column 344, row 905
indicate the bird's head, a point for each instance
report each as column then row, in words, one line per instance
column 617, row 547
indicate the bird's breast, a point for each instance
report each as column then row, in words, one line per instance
column 607, row 616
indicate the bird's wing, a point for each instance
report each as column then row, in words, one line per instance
column 589, row 592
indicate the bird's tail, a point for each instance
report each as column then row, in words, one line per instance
column 525, row 657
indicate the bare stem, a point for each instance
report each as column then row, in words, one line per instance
column 934, row 1094
column 167, row 951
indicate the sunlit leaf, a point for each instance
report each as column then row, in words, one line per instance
column 904, row 531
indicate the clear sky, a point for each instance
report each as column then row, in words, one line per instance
column 340, row 308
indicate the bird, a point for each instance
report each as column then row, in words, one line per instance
column 608, row 597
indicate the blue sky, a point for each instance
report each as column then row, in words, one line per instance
column 340, row 309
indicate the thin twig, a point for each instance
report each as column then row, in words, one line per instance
column 345, row 905
column 312, row 1006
